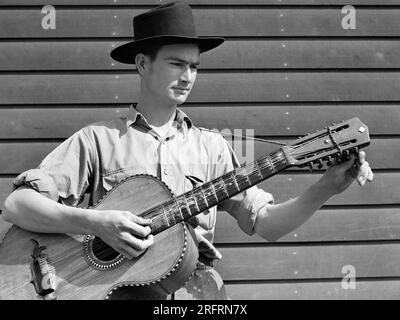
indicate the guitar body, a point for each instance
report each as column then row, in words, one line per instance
column 63, row 266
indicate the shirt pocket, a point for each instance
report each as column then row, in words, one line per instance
column 114, row 177
column 206, row 219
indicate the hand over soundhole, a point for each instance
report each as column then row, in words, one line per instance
column 117, row 235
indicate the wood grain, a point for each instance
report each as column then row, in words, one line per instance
column 209, row 87
column 20, row 156
column 315, row 290
column 227, row 22
column 59, row 121
column 309, row 262
column 200, row 2
column 239, row 54
column 351, row 224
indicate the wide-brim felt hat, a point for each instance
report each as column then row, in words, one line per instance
column 166, row 24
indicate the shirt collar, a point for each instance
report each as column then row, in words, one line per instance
column 135, row 116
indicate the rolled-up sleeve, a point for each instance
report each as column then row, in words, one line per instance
column 245, row 206
column 64, row 174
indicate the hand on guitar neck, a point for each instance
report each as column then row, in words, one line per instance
column 340, row 176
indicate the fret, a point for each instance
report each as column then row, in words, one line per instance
column 242, row 178
column 204, row 197
column 247, row 176
column 179, row 209
column 229, row 183
column 187, row 206
column 165, row 216
column 171, row 213
column 200, row 198
column 253, row 176
column 270, row 162
column 195, row 201
column 213, row 190
column 185, row 210
column 259, row 171
column 210, row 191
column 221, row 181
column 235, row 181
column 220, row 189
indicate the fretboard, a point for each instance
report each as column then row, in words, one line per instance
column 211, row 193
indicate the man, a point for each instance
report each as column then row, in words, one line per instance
column 158, row 138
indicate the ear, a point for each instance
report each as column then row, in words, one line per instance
column 141, row 62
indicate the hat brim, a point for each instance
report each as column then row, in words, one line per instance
column 126, row 53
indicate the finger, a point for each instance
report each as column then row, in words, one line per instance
column 137, row 229
column 148, row 242
column 125, row 253
column 361, row 157
column 360, row 180
column 140, row 220
column 370, row 176
column 364, row 171
column 129, row 252
column 138, row 244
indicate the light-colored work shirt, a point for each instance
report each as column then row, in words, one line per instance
column 101, row 155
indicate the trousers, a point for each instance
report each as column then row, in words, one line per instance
column 204, row 284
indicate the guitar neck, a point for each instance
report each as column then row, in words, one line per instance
column 212, row 193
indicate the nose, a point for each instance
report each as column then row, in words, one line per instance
column 188, row 75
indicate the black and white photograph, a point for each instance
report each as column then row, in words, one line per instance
column 223, row 151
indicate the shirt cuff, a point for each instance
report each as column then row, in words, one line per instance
column 39, row 181
column 254, row 201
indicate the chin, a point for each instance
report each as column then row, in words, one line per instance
column 178, row 100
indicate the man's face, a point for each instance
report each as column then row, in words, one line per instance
column 171, row 76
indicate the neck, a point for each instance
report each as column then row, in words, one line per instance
column 212, row 193
column 157, row 113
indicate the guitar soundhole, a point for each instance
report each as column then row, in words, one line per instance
column 102, row 251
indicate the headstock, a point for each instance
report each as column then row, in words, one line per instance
column 333, row 142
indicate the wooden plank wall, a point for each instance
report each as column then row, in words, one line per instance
column 287, row 68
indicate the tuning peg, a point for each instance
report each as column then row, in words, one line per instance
column 320, row 164
column 329, row 161
column 310, row 166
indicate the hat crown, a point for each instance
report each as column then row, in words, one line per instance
column 171, row 19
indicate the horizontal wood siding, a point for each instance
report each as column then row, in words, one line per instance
column 286, row 69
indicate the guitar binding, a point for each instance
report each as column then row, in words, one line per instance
column 95, row 262
column 104, row 266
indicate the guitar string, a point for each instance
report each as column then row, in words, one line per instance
column 264, row 165
column 242, row 183
column 275, row 158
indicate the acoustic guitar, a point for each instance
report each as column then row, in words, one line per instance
column 66, row 266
